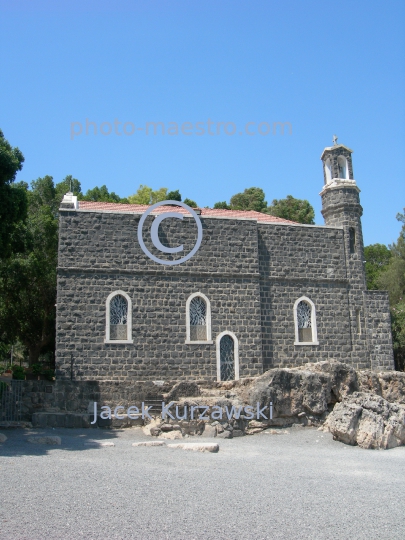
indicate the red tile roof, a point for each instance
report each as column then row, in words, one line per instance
column 205, row 212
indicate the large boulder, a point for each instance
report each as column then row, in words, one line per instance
column 367, row 420
column 343, row 379
column 309, row 389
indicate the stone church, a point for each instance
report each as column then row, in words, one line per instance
column 259, row 292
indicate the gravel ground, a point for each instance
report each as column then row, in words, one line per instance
column 295, row 485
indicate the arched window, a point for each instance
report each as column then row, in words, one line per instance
column 342, row 167
column 118, row 318
column 328, row 171
column 198, row 319
column 305, row 322
column 227, row 357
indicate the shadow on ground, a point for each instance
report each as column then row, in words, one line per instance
column 17, row 443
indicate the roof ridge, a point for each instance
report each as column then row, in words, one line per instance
column 220, row 212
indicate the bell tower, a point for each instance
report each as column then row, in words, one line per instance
column 341, row 207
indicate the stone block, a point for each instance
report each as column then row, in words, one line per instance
column 172, row 435
column 209, row 431
column 196, row 447
column 149, row 443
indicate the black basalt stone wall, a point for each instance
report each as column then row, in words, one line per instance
column 252, row 273
column 305, row 261
column 99, row 254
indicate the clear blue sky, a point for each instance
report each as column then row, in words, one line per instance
column 325, row 67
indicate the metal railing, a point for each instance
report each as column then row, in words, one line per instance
column 10, row 401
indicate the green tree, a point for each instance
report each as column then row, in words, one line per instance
column 174, row 196
column 392, row 279
column 398, row 334
column 146, row 195
column 142, row 196
column 298, row 210
column 223, row 205
column 250, row 199
column 28, row 278
column 101, row 194
column 190, row 203
column 13, row 205
column 159, row 195
column 377, row 258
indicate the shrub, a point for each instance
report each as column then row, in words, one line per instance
column 36, row 369
column 18, row 373
column 49, row 374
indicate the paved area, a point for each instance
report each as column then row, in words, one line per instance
column 296, row 485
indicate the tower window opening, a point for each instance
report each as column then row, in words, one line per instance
column 328, row 171
column 342, row 167
column 352, row 239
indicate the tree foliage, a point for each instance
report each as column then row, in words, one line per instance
column 190, row 203
column 391, row 277
column 377, row 258
column 13, row 205
column 250, row 199
column 253, row 198
column 146, row 195
column 174, row 196
column 223, row 205
column 101, row 194
column 28, row 278
column 398, row 334
column 298, row 210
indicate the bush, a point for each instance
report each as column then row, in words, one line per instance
column 36, row 369
column 49, row 374
column 18, row 373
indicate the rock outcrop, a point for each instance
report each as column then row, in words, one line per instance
column 359, row 407
column 367, row 420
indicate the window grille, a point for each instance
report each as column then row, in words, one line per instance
column 118, row 318
column 304, row 322
column 227, row 358
column 198, row 319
